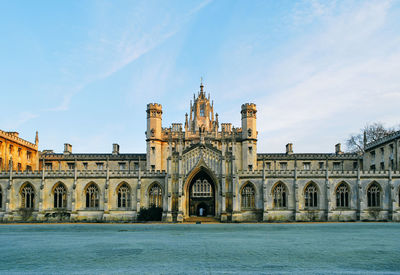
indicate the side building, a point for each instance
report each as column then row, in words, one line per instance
column 204, row 169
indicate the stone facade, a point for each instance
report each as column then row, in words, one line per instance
column 204, row 168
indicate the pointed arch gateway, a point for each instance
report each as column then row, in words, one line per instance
column 200, row 193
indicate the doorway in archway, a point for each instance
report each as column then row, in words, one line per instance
column 202, row 196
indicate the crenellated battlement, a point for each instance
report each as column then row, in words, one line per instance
column 156, row 106
column 247, row 106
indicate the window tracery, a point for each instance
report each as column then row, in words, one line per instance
column 342, row 196
column 28, row 196
column 201, row 189
column 279, row 194
column 374, row 195
column 60, row 196
column 311, row 196
column 124, row 196
column 92, row 196
column 248, row 196
column 155, row 196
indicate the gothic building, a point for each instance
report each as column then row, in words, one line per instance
column 203, row 168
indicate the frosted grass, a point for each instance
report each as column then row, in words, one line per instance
column 353, row 248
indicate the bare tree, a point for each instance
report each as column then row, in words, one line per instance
column 370, row 133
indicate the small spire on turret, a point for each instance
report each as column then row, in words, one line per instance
column 186, row 122
column 37, row 138
column 201, row 86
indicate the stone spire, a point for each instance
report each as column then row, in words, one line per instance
column 37, row 138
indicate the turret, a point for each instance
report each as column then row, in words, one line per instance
column 154, row 135
column 249, row 136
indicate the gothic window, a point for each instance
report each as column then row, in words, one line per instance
column 342, row 196
column 280, row 196
column 124, row 196
column 60, row 196
column 202, row 110
column 92, row 196
column 248, row 196
column 311, row 196
column 155, row 196
column 202, row 189
column 28, row 196
column 374, row 195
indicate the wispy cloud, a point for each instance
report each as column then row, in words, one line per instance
column 344, row 73
column 112, row 53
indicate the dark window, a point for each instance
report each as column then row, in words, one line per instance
column 92, row 196
column 279, row 194
column 311, row 196
column 155, row 196
column 60, row 196
column 48, row 166
column 28, row 197
column 342, row 196
column 248, row 196
column 374, row 195
column 124, row 196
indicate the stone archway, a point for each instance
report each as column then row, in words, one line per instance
column 201, row 194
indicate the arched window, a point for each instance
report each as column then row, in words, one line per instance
column 374, row 195
column 28, row 196
column 92, row 196
column 311, row 196
column 279, row 194
column 124, row 196
column 202, row 189
column 60, row 196
column 248, row 196
column 155, row 196
column 342, row 196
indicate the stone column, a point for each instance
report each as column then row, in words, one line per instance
column 106, row 212
column 265, row 194
column 180, row 189
column 358, row 193
column 328, row 210
column 296, row 196
column 392, row 195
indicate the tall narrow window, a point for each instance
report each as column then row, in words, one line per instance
column 279, row 194
column 248, row 196
column 28, row 196
column 124, row 196
column 374, row 195
column 202, row 109
column 155, row 196
column 60, row 196
column 1, row 198
column 311, row 196
column 342, row 196
column 92, row 196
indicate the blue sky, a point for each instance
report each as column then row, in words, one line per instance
column 83, row 71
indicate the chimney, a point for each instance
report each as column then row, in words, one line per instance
column 67, row 148
column 338, row 150
column 289, row 148
column 115, row 150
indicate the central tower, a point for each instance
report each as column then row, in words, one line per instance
column 201, row 113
